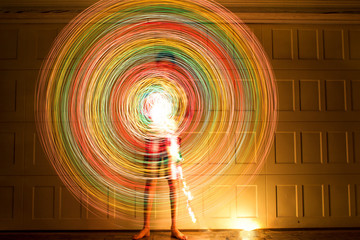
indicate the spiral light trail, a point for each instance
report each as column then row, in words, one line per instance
column 93, row 96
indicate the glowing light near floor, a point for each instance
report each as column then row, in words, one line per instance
column 97, row 89
column 248, row 225
column 247, row 235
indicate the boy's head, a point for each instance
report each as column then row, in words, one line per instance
column 165, row 56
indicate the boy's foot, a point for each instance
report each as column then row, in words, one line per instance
column 177, row 234
column 145, row 232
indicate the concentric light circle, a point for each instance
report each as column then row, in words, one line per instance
column 104, row 70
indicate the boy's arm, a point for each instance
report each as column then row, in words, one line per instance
column 174, row 149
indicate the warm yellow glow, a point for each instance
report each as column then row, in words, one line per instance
column 247, row 235
column 248, row 225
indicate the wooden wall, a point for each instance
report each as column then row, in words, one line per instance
column 311, row 177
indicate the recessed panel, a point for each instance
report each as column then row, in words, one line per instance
column 218, row 103
column 39, row 158
column 245, row 102
column 44, row 41
column 339, row 200
column 43, row 202
column 333, row 44
column 285, row 148
column 6, row 202
column 8, row 43
column 282, row 44
column 308, row 44
column 355, row 95
column 195, row 157
column 94, row 213
column 357, row 147
column 70, row 208
column 337, row 146
column 309, row 95
column 7, row 149
column 221, row 141
column 354, row 44
column 286, row 95
column 357, row 198
column 286, row 201
column 313, row 204
column 216, row 201
column 7, row 94
column 245, row 148
column 335, row 95
column 246, row 201
column 311, row 149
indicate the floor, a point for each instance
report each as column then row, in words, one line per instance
column 264, row 234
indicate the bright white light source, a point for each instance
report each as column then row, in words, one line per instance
column 159, row 108
column 248, row 225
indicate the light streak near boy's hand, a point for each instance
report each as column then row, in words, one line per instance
column 188, row 195
column 159, row 112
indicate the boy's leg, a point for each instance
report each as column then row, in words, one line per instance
column 150, row 189
column 173, row 182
